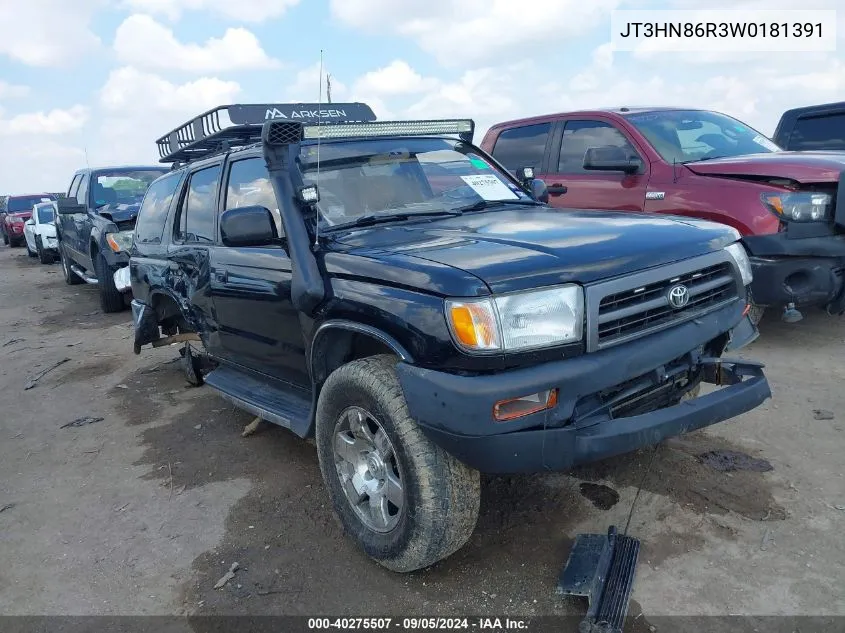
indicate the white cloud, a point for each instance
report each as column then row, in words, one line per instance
column 397, row 78
column 142, row 42
column 39, row 165
column 241, row 10
column 460, row 32
column 54, row 122
column 12, row 91
column 139, row 107
column 47, row 32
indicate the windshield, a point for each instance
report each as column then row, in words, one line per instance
column 45, row 213
column 23, row 204
column 123, row 187
column 683, row 136
column 389, row 176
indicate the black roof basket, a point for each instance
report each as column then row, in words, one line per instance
column 229, row 126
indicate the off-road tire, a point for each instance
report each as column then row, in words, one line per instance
column 71, row 278
column 45, row 257
column 442, row 495
column 111, row 299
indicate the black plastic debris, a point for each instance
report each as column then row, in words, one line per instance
column 81, row 421
column 726, row 461
column 602, row 569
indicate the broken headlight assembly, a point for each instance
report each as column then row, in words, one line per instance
column 743, row 264
column 799, row 206
column 518, row 321
column 120, row 241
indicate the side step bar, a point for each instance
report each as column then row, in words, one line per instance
column 83, row 275
column 287, row 406
column 602, row 569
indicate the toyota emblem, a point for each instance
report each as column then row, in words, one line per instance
column 678, row 296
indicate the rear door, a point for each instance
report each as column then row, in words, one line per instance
column 586, row 189
column 74, row 226
column 65, row 223
column 258, row 326
column 194, row 227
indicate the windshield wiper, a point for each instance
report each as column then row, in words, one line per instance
column 378, row 218
column 702, row 159
column 487, row 204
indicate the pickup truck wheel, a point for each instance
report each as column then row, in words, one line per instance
column 405, row 501
column 111, row 299
column 71, row 279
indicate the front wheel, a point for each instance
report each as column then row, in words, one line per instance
column 45, row 257
column 111, row 299
column 404, row 500
column 29, row 250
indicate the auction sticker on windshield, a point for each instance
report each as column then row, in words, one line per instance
column 762, row 140
column 489, row 187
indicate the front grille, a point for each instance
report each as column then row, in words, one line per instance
column 639, row 310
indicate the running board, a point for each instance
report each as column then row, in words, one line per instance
column 83, row 275
column 601, row 568
column 287, row 406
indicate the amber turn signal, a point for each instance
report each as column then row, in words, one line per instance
column 513, row 408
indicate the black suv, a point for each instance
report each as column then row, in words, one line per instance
column 387, row 288
column 94, row 227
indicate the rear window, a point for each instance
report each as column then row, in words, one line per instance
column 23, row 204
column 522, row 146
column 149, row 226
column 819, row 133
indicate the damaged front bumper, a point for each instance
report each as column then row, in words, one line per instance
column 609, row 403
column 122, row 280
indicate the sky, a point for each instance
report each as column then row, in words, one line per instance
column 96, row 82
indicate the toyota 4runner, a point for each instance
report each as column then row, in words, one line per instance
column 389, row 289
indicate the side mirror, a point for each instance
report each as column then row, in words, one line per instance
column 539, row 190
column 248, row 226
column 611, row 159
column 69, row 206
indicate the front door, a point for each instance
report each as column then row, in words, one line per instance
column 258, row 326
column 572, row 186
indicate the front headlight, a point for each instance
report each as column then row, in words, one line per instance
column 740, row 257
column 803, row 206
column 120, row 241
column 518, row 321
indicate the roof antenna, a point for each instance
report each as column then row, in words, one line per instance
column 319, row 136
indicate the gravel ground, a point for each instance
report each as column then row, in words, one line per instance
column 142, row 511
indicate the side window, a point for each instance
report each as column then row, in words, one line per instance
column 522, row 146
column 579, row 136
column 82, row 192
column 821, row 132
column 74, row 184
column 249, row 185
column 153, row 212
column 196, row 217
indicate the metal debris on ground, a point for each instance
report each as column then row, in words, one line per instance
column 726, row 461
column 821, row 414
column 251, row 428
column 8, row 506
column 88, row 419
column 226, row 577
column 33, row 381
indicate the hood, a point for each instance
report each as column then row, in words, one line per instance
column 120, row 212
column 799, row 166
column 515, row 249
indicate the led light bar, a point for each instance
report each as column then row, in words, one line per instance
column 389, row 128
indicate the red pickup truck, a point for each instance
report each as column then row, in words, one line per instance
column 788, row 206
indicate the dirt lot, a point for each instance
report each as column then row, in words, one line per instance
column 143, row 511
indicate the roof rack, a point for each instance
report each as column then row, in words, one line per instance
column 229, row 126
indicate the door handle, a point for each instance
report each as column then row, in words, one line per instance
column 557, row 188
column 222, row 276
